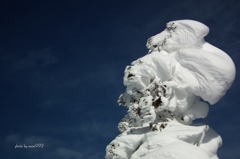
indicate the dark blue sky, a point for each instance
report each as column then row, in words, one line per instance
column 62, row 63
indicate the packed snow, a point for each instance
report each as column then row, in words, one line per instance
column 163, row 92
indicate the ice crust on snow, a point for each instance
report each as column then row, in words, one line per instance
column 163, row 92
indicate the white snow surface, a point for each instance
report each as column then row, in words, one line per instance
column 178, row 150
column 163, row 92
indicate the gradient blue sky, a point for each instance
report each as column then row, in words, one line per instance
column 62, row 63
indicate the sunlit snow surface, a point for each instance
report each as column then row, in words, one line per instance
column 163, row 91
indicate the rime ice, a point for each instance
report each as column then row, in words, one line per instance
column 163, row 92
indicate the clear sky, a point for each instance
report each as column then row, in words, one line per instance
column 62, row 63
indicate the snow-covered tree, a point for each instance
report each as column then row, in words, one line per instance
column 163, row 92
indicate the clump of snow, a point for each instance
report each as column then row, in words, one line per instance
column 163, row 92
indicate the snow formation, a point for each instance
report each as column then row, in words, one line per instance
column 163, row 92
